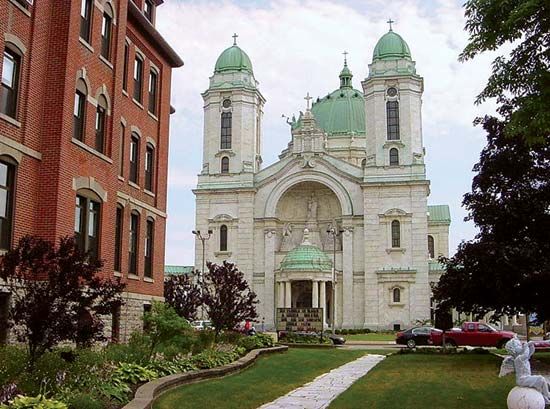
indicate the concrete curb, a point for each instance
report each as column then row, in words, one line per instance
column 146, row 394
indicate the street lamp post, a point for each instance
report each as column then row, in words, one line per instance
column 335, row 233
column 202, row 238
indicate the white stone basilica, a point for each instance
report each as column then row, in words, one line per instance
column 354, row 166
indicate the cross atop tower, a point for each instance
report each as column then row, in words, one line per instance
column 308, row 98
column 345, row 57
column 390, row 22
column 235, row 35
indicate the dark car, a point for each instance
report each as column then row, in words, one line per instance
column 337, row 339
column 416, row 336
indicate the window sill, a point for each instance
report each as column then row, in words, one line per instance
column 222, row 253
column 21, row 7
column 152, row 115
column 149, row 193
column 86, row 44
column 133, row 277
column 135, row 186
column 397, row 304
column 106, row 62
column 148, row 280
column 10, row 120
column 3, row 252
column 395, row 142
column 139, row 104
column 117, row 274
column 92, row 151
column 121, row 178
column 395, row 250
column 124, row 92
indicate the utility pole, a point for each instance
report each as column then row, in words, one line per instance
column 335, row 233
column 202, row 238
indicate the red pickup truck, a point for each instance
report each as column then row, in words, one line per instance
column 473, row 334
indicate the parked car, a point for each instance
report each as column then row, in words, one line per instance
column 416, row 336
column 201, row 325
column 476, row 334
column 337, row 339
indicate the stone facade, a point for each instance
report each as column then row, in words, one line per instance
column 349, row 176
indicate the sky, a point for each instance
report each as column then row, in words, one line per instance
column 296, row 47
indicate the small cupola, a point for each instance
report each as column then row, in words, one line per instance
column 345, row 74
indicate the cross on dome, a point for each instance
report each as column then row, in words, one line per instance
column 308, row 98
column 390, row 22
column 235, row 35
column 345, row 57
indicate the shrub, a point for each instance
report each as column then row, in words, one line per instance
column 231, row 337
column 37, row 402
column 163, row 325
column 204, row 340
column 13, row 363
column 133, row 374
column 256, row 341
column 115, row 390
column 211, row 358
column 84, row 401
column 303, row 338
column 136, row 351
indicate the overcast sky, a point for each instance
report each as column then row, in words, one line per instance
column 296, row 47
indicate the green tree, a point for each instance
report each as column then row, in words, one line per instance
column 163, row 324
column 521, row 81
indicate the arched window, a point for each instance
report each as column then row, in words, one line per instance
column 225, row 165
column 223, row 238
column 149, row 167
column 11, row 68
column 153, row 91
column 394, row 157
column 134, row 158
column 392, row 119
column 119, row 222
column 106, row 32
column 133, row 243
column 100, row 124
column 226, row 130
column 431, row 246
column 149, row 10
column 7, row 190
column 86, row 223
column 138, row 79
column 86, row 19
column 364, row 163
column 79, row 114
column 395, row 234
column 149, row 248
column 396, row 295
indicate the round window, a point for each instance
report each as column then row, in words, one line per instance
column 226, row 103
column 392, row 92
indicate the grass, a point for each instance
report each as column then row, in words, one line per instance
column 370, row 337
column 417, row 381
column 270, row 377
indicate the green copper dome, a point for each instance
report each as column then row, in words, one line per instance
column 391, row 47
column 306, row 257
column 233, row 59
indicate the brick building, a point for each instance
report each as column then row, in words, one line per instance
column 84, row 125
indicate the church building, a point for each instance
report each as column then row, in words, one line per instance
column 348, row 196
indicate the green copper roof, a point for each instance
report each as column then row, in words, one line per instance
column 306, row 257
column 233, row 59
column 178, row 270
column 439, row 214
column 435, row 266
column 391, row 47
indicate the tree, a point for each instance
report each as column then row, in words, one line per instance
column 183, row 296
column 58, row 294
column 521, row 82
column 506, row 268
column 227, row 297
column 163, row 324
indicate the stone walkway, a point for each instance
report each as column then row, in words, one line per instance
column 325, row 388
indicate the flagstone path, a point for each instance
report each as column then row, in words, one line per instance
column 325, row 388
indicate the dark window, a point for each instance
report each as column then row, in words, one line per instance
column 86, row 19
column 223, row 238
column 149, row 247
column 115, row 325
column 125, row 69
column 121, row 145
column 431, row 246
column 138, row 79
column 226, row 131
column 7, row 177
column 100, row 120
column 396, row 295
column 392, row 118
column 395, row 234
column 119, row 222
column 4, row 314
column 133, row 245
column 134, row 158
column 149, row 10
column 10, row 83
column 225, row 165
column 394, row 157
column 149, row 167
column 106, row 32
column 153, row 86
column 86, row 225
column 79, row 113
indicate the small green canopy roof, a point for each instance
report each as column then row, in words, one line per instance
column 439, row 214
column 306, row 257
column 178, row 270
column 391, row 47
column 233, row 59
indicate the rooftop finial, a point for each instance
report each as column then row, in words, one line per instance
column 308, row 98
column 390, row 22
column 235, row 35
column 345, row 58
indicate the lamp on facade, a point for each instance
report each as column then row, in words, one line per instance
column 202, row 238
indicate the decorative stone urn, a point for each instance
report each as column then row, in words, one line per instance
column 525, row 398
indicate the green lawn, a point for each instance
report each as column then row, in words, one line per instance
column 270, row 377
column 370, row 337
column 416, row 381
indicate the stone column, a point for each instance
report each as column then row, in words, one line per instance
column 315, row 294
column 288, row 294
column 323, row 300
column 281, row 294
column 347, row 278
column 269, row 277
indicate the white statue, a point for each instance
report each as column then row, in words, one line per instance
column 287, row 242
column 312, row 208
column 518, row 361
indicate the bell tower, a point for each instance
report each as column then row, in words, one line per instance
column 233, row 109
